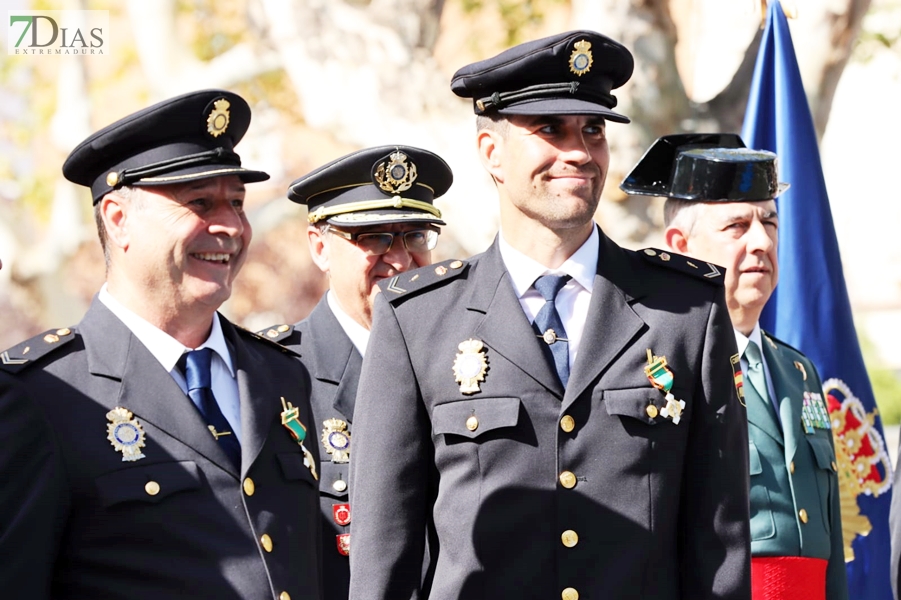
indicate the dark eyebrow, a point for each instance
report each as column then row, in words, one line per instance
column 770, row 214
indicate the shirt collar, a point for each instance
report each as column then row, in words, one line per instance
column 165, row 348
column 359, row 335
column 581, row 266
column 741, row 340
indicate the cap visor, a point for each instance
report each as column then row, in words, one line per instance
column 562, row 106
column 383, row 217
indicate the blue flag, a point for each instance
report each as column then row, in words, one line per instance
column 810, row 308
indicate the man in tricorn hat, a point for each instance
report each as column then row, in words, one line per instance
column 372, row 218
column 556, row 417
column 720, row 208
column 152, row 450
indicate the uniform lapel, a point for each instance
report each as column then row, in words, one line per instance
column 611, row 323
column 505, row 328
column 341, row 364
column 146, row 388
column 789, row 385
column 760, row 412
column 260, row 405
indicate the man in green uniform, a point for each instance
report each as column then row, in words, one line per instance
column 721, row 208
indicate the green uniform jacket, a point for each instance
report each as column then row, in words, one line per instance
column 792, row 470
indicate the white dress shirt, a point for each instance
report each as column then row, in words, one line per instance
column 359, row 335
column 742, row 342
column 167, row 350
column 572, row 301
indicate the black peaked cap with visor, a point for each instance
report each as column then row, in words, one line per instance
column 186, row 138
column 375, row 186
column 572, row 73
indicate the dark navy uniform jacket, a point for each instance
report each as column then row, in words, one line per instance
column 533, row 492
column 182, row 522
column 334, row 365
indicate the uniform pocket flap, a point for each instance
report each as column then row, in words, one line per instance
column 634, row 403
column 147, row 483
column 472, row 418
column 823, row 452
column 333, row 480
column 756, row 467
column 293, row 467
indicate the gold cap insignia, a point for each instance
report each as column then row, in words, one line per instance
column 397, row 174
column 581, row 60
column 217, row 121
column 112, row 178
column 470, row 366
column 336, row 440
column 125, row 434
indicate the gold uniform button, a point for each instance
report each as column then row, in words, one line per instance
column 652, row 411
column 152, row 488
column 570, row 538
column 63, row 331
column 791, row 467
column 266, row 542
column 570, row 594
column 456, row 264
column 51, row 338
column 284, row 596
column 567, row 423
column 472, row 423
column 340, row 485
column 567, row 480
column 803, row 514
column 283, row 328
column 249, row 487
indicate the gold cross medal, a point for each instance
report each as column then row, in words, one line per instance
column 662, row 378
column 299, row 433
column 470, row 366
column 125, row 434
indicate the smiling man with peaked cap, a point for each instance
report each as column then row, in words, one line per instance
column 372, row 218
column 144, row 453
column 556, row 418
column 720, row 207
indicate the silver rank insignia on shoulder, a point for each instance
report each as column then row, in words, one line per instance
column 292, row 423
column 336, row 439
column 470, row 366
column 662, row 378
column 125, row 434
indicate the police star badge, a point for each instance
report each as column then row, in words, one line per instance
column 218, row 119
column 336, row 440
column 292, row 423
column 125, row 434
column 581, row 60
column 662, row 378
column 470, row 366
column 396, row 174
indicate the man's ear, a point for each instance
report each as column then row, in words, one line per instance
column 676, row 240
column 318, row 247
column 490, row 145
column 114, row 210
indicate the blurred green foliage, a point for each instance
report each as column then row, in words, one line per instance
column 886, row 383
column 516, row 15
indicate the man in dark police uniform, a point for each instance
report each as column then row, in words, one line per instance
column 371, row 218
column 557, row 417
column 721, row 208
column 151, row 451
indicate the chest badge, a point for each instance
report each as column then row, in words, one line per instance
column 470, row 366
column 336, row 439
column 662, row 378
column 292, row 423
column 125, row 434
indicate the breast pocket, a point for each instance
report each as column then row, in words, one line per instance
column 475, row 418
column 763, row 525
column 645, row 405
column 294, row 469
column 147, row 483
column 824, row 457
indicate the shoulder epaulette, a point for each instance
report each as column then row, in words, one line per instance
column 20, row 357
column 276, row 333
column 421, row 279
column 264, row 336
column 692, row 266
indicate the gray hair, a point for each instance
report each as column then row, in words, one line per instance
column 133, row 197
column 682, row 214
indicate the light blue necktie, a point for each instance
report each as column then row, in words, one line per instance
column 757, row 376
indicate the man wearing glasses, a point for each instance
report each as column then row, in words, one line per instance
column 371, row 219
